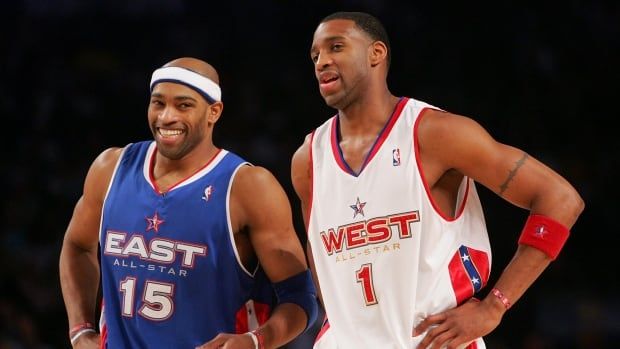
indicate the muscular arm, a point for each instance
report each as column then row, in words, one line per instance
column 263, row 207
column 449, row 141
column 79, row 267
column 452, row 142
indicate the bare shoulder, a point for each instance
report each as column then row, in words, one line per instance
column 450, row 141
column 108, row 158
column 300, row 168
column 104, row 164
column 254, row 181
column 250, row 176
column 302, row 154
column 83, row 227
column 257, row 197
column 439, row 126
column 100, row 173
column 442, row 134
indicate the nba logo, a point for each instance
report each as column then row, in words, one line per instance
column 207, row 193
column 396, row 157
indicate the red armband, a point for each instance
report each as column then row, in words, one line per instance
column 545, row 234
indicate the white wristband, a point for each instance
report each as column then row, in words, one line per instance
column 254, row 339
column 79, row 333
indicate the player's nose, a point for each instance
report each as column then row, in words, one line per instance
column 323, row 61
column 167, row 114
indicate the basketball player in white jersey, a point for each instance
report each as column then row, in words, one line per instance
column 396, row 234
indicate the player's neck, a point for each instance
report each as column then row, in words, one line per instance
column 188, row 164
column 369, row 113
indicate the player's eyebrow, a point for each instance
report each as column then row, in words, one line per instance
column 183, row 98
column 176, row 98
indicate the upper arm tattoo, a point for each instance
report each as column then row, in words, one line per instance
column 504, row 186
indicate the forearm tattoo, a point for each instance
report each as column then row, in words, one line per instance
column 512, row 174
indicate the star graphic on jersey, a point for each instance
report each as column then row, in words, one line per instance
column 154, row 222
column 475, row 281
column 358, row 208
column 465, row 258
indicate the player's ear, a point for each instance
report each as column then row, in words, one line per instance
column 214, row 111
column 377, row 52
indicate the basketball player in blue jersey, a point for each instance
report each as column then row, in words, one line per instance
column 396, row 235
column 193, row 240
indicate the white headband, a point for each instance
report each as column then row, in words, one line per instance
column 201, row 84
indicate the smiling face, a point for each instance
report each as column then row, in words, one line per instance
column 341, row 55
column 178, row 117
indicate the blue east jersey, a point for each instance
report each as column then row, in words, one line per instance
column 171, row 274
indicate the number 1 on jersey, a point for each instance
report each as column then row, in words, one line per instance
column 364, row 277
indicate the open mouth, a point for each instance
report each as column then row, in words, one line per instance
column 327, row 77
column 328, row 82
column 169, row 132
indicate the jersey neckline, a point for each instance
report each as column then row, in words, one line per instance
column 381, row 137
column 149, row 161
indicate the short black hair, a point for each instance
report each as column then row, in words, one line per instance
column 369, row 24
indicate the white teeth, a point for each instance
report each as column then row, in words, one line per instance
column 169, row 133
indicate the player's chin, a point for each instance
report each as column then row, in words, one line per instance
column 172, row 153
column 329, row 98
column 334, row 100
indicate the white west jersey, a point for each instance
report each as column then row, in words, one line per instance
column 385, row 255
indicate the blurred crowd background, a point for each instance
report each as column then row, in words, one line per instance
column 542, row 76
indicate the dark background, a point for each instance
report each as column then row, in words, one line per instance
column 74, row 80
